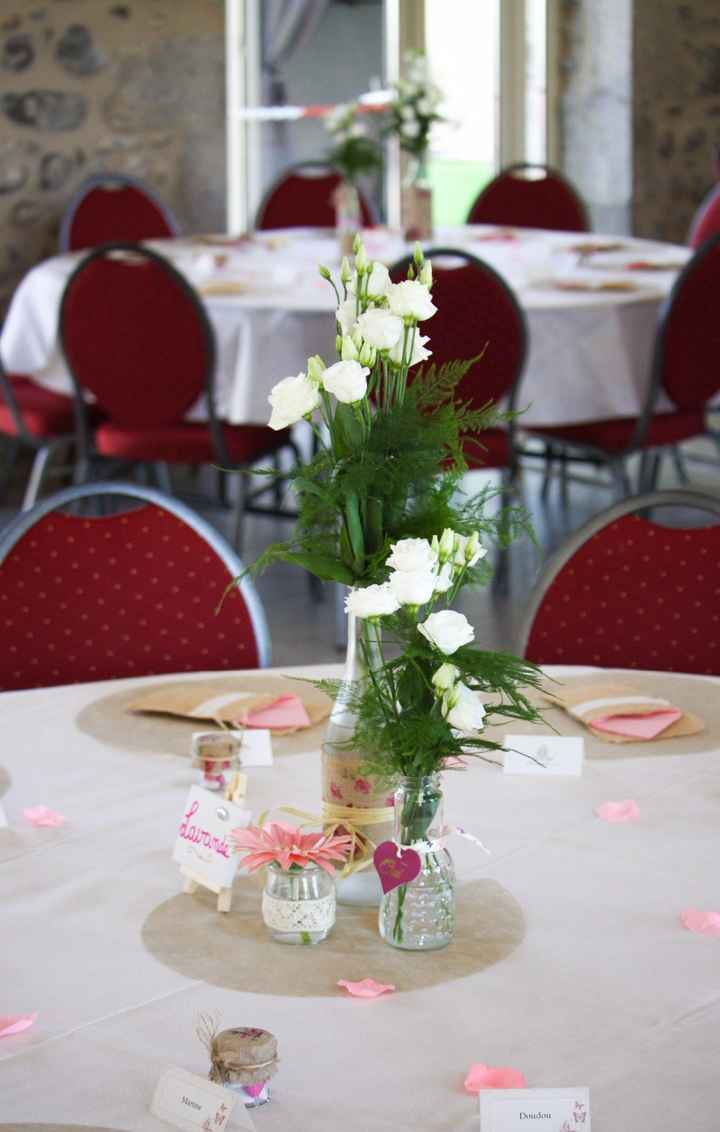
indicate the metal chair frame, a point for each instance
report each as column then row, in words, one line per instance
column 24, row 522
column 548, row 170
column 44, row 448
column 637, row 503
column 115, row 180
column 708, row 200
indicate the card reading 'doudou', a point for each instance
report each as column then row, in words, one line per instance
column 535, row 1110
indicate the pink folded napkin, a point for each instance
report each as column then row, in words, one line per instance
column 621, row 713
column 637, row 726
column 287, row 711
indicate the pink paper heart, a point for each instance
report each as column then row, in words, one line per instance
column 43, row 816
column 15, row 1023
column 366, row 988
column 704, row 923
column 395, row 866
column 481, row 1076
column 615, row 812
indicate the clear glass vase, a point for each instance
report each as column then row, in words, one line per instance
column 420, row 915
column 343, row 784
column 348, row 216
column 298, row 906
column 416, row 200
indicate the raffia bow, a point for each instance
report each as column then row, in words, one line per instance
column 346, row 818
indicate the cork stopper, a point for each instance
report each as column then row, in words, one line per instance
column 243, row 1055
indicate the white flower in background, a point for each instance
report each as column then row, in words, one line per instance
column 411, row 299
column 410, row 129
column 412, row 554
column 412, row 587
column 292, row 399
column 380, row 328
column 419, row 352
column 347, row 381
column 462, row 708
column 468, row 549
column 424, row 106
column 345, row 315
column 444, row 579
column 372, row 601
column 446, row 676
column 447, row 631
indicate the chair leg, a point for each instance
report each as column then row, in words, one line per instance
column 564, row 485
column 12, row 449
column 680, row 468
column 240, row 504
column 161, row 473
column 620, row 479
column 37, row 475
column 277, row 484
column 549, row 461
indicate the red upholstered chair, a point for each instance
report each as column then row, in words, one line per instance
column 684, row 366
column 302, row 197
column 632, row 591
column 36, row 420
column 530, row 196
column 132, row 593
column 137, row 339
column 112, row 206
column 706, row 221
column 477, row 314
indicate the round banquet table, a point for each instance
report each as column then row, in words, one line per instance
column 582, row 973
column 589, row 353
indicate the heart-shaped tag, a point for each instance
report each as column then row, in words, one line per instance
column 395, row 867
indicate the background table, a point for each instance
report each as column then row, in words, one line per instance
column 601, row 986
column 589, row 352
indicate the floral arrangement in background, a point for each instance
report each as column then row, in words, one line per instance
column 415, row 107
column 354, row 152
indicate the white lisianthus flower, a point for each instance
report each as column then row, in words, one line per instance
column 380, row 328
column 446, row 676
column 411, row 299
column 292, row 399
column 424, row 107
column 372, row 601
column 410, row 129
column 462, row 708
column 447, row 631
column 378, row 281
column 345, row 315
column 412, row 587
column 444, row 578
column 347, row 381
column 412, row 554
column 419, row 352
column 468, row 549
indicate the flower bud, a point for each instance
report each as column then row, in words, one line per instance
column 471, row 547
column 348, row 350
column 445, row 677
column 367, row 355
column 338, row 343
column 324, row 271
column 315, row 368
column 361, row 259
column 345, row 270
column 418, row 256
column 426, row 274
column 447, row 544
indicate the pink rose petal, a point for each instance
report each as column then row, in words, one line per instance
column 481, row 1076
column 616, row 812
column 704, row 923
column 366, row 988
column 15, row 1023
column 43, row 816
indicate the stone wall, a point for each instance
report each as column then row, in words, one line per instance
column 91, row 85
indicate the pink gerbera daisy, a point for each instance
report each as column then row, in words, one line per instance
column 287, row 846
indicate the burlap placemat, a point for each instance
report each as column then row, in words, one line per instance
column 235, row 951
column 109, row 720
column 691, row 693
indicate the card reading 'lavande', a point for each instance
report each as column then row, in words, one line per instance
column 549, row 755
column 535, row 1110
column 203, row 842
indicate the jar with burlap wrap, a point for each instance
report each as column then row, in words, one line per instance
column 244, row 1059
column 216, row 754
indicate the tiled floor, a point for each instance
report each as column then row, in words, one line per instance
column 303, row 630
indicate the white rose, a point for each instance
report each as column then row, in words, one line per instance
column 347, row 381
column 345, row 315
column 446, row 676
column 292, row 399
column 412, row 587
column 411, row 299
column 419, row 353
column 380, row 328
column 378, row 281
column 412, row 554
column 372, row 601
column 463, row 709
column 444, row 579
column 447, row 631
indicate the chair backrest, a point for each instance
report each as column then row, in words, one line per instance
column 112, row 206
column 127, row 594
column 628, row 592
column 135, row 335
column 706, row 221
column 303, row 197
column 477, row 314
column 530, row 196
column 687, row 349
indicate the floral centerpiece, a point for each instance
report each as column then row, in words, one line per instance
column 354, row 153
column 413, row 112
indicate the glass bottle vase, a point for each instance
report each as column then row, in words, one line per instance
column 420, row 915
column 298, row 906
column 348, row 216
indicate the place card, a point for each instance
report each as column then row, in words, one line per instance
column 203, row 845
column 535, row 1110
column 548, row 755
column 193, row 1103
column 255, row 747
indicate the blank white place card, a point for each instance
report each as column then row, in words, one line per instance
column 535, row 1110
column 543, row 755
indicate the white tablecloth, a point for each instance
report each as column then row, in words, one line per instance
column 589, row 352
column 606, row 988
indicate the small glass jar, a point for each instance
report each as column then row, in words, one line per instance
column 244, row 1060
column 215, row 753
column 420, row 915
column 298, row 906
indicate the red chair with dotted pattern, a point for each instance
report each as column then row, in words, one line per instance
column 113, row 206
column 706, row 222
column 132, row 593
column 632, row 591
column 530, row 196
column 302, row 197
